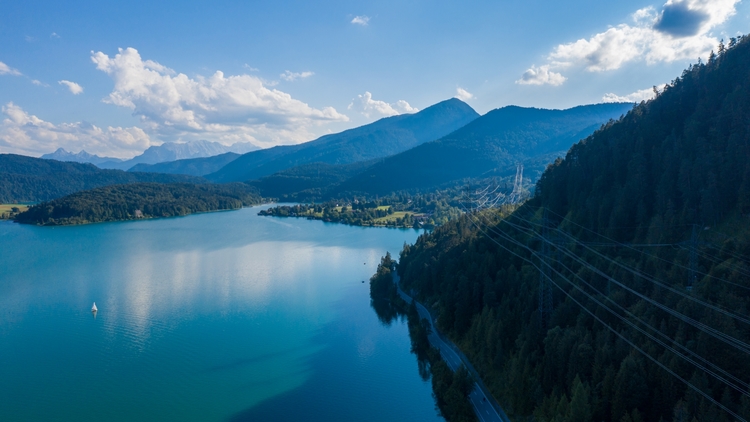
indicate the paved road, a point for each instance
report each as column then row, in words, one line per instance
column 480, row 398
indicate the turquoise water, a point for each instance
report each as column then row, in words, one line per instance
column 214, row 317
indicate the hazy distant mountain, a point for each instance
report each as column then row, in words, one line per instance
column 382, row 138
column 191, row 166
column 172, row 151
column 81, row 157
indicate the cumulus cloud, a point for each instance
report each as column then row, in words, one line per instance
column 541, row 76
column 223, row 108
column 23, row 133
column 361, row 20
column 74, row 88
column 7, row 70
column 54, row 35
column 293, row 76
column 680, row 30
column 463, row 94
column 635, row 97
column 375, row 108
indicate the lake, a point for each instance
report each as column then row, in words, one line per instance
column 223, row 316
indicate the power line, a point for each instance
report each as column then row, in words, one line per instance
column 653, row 280
column 738, row 344
column 690, row 385
column 630, row 246
column 695, row 355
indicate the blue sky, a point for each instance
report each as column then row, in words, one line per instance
column 116, row 78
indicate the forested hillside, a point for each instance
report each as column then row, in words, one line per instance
column 621, row 292
column 382, row 138
column 308, row 180
column 489, row 146
column 27, row 179
column 139, row 200
column 190, row 166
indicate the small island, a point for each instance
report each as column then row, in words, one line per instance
column 139, row 201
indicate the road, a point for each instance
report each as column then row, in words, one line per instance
column 484, row 404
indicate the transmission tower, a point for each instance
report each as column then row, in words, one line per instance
column 515, row 195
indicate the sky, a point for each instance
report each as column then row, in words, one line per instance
column 114, row 78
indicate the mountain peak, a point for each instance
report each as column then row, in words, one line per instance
column 386, row 136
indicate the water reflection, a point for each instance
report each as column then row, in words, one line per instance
column 211, row 314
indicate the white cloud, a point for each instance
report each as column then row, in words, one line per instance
column 680, row 30
column 635, row 97
column 541, row 76
column 250, row 68
column 23, row 133
column 7, row 70
column 375, row 108
column 463, row 94
column 293, row 76
column 229, row 109
column 361, row 20
column 54, row 35
column 74, row 88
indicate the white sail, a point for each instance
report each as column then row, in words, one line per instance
column 93, row 308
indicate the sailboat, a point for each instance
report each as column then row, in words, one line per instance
column 93, row 308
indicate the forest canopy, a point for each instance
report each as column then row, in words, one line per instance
column 139, row 200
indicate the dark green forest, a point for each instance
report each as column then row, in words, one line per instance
column 27, row 179
column 621, row 291
column 152, row 200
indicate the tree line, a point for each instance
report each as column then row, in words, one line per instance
column 139, row 200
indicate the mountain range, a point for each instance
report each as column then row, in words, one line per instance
column 382, row 138
column 442, row 144
column 489, row 146
column 169, row 151
column 81, row 157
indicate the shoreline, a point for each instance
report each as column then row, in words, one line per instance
column 128, row 220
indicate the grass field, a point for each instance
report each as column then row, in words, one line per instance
column 5, row 209
column 391, row 217
column 8, row 207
